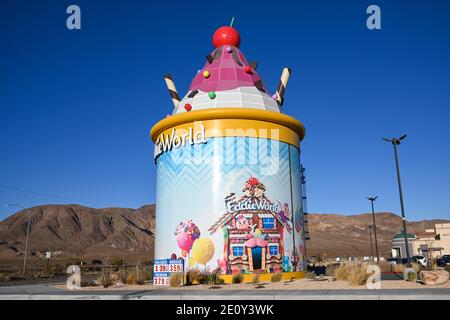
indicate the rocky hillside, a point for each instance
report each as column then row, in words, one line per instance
column 74, row 230
column 344, row 235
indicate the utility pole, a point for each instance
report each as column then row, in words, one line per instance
column 372, row 199
column 371, row 245
column 395, row 142
column 27, row 230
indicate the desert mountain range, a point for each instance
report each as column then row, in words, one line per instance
column 75, row 230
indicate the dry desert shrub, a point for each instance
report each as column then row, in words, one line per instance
column 131, row 279
column 358, row 274
column 355, row 273
column 385, row 267
column 417, row 266
column 192, row 276
column 310, row 275
column 398, row 268
column 214, row 277
column 4, row 277
column 276, row 277
column 175, row 279
column 237, row 278
column 105, row 279
column 342, row 272
column 331, row 270
column 256, row 278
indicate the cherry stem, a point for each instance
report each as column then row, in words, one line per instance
column 232, row 20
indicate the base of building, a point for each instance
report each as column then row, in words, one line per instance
column 265, row 277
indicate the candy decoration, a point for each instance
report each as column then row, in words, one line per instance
column 274, row 96
column 202, row 250
column 206, row 74
column 259, row 85
column 212, row 95
column 254, row 65
column 229, row 50
column 236, row 57
column 282, row 85
column 172, row 90
column 192, row 93
column 248, row 69
column 226, row 36
column 187, row 107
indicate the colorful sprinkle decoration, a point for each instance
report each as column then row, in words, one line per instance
column 274, row 96
column 212, row 95
column 206, row 74
column 248, row 69
column 187, row 107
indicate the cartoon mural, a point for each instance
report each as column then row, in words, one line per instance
column 253, row 229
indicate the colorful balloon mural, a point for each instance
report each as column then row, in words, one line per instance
column 202, row 251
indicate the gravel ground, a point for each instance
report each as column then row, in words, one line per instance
column 303, row 284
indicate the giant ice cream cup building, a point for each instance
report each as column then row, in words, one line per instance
column 228, row 170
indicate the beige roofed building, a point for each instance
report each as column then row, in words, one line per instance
column 433, row 242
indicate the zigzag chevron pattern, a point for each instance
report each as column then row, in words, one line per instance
column 194, row 165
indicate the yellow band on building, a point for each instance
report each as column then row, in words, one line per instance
column 234, row 122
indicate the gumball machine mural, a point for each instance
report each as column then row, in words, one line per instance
column 228, row 170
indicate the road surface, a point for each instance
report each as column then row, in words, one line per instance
column 47, row 291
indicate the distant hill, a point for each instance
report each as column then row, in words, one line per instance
column 74, row 230
column 344, row 235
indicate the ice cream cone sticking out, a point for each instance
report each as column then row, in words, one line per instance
column 282, row 85
column 172, row 90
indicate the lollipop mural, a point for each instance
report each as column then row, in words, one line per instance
column 186, row 233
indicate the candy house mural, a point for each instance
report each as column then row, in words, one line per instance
column 253, row 229
column 228, row 170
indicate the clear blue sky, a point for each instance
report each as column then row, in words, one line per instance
column 76, row 106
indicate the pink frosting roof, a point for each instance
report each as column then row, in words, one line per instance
column 227, row 71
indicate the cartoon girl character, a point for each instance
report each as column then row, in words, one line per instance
column 242, row 223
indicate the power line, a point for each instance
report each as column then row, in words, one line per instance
column 49, row 196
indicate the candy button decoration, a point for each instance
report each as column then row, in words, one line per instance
column 229, row 50
column 212, row 95
column 274, row 96
column 206, row 74
column 187, row 107
column 248, row 69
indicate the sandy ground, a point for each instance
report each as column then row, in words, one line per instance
column 303, row 284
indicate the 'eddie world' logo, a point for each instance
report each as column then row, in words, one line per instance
column 253, row 204
column 170, row 141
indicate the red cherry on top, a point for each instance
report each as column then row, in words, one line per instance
column 226, row 36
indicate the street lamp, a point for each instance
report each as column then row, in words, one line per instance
column 371, row 245
column 372, row 199
column 28, row 232
column 395, row 142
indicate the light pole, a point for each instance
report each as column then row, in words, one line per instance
column 372, row 199
column 371, row 245
column 28, row 232
column 395, row 142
